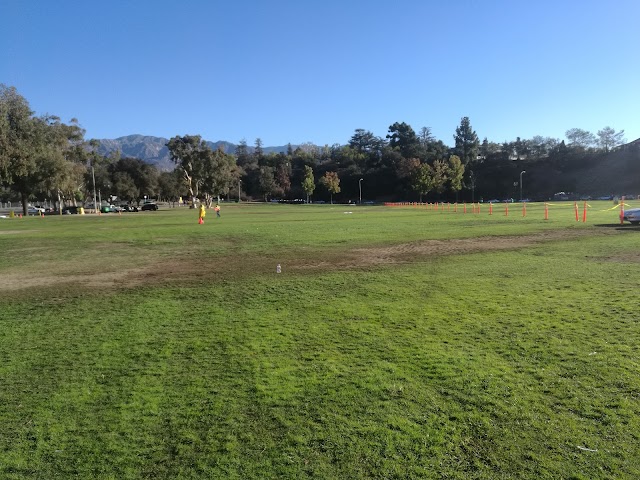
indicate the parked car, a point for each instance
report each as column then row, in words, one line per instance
column 149, row 206
column 35, row 211
column 632, row 216
column 128, row 208
column 69, row 210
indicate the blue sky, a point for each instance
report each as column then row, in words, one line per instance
column 314, row 71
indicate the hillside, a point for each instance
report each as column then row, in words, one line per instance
column 617, row 172
column 153, row 150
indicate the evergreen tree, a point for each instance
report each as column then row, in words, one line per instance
column 466, row 141
column 242, row 154
column 403, row 139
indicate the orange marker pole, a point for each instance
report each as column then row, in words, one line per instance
column 506, row 210
column 546, row 211
column 575, row 207
column 524, row 209
column 491, row 209
column 584, row 212
column 465, row 207
column 622, row 211
column 448, row 206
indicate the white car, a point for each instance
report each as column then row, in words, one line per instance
column 632, row 216
column 35, row 211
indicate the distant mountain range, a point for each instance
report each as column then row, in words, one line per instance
column 153, row 150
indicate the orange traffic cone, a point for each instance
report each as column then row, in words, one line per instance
column 200, row 221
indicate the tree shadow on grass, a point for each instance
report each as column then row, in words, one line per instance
column 622, row 228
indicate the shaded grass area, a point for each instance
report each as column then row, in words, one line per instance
column 516, row 364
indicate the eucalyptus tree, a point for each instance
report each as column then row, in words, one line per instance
column 188, row 153
column 609, row 138
column 580, row 139
column 19, row 142
column 220, row 173
column 61, row 162
column 35, row 152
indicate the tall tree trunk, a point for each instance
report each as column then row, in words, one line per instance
column 23, row 195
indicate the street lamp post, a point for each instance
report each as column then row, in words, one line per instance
column 360, row 189
column 523, row 171
column 95, row 200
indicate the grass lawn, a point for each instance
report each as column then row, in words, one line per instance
column 398, row 342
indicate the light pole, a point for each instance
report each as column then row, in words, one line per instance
column 239, row 182
column 95, row 200
column 523, row 171
column 360, row 188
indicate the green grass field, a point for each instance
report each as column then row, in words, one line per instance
column 398, row 342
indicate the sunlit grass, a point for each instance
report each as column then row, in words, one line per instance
column 513, row 364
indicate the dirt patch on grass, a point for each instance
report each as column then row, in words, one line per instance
column 413, row 251
column 187, row 269
column 626, row 257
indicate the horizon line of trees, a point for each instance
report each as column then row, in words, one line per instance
column 41, row 157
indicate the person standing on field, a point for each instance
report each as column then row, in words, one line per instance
column 201, row 214
column 217, row 210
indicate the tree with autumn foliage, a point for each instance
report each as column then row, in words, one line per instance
column 331, row 182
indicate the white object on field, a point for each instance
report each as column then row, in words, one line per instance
column 586, row 449
column 278, row 269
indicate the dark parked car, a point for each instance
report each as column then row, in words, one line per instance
column 149, row 206
column 70, row 210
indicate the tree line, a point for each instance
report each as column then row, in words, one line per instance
column 42, row 157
